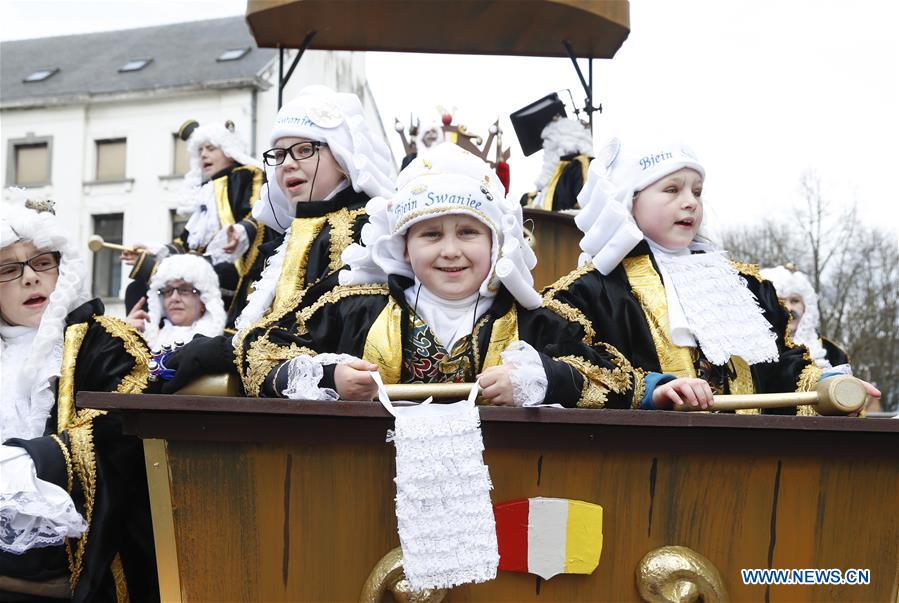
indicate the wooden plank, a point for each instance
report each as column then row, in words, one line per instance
column 307, row 519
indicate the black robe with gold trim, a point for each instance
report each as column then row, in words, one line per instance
column 628, row 309
column 84, row 452
column 318, row 235
column 561, row 192
column 375, row 322
column 835, row 354
column 236, row 190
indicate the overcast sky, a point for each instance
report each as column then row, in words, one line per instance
column 761, row 89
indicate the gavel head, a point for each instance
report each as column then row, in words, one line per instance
column 841, row 395
column 95, row 243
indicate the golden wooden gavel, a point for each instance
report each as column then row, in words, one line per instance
column 841, row 395
column 95, row 243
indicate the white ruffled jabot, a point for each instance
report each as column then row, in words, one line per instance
column 708, row 302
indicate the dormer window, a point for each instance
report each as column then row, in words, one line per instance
column 134, row 65
column 40, row 75
column 233, row 54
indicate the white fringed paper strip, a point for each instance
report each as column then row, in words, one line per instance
column 444, row 514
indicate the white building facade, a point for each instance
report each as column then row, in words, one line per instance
column 104, row 147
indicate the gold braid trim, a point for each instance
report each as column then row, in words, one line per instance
column 118, row 575
column 571, row 314
column 342, row 223
column 475, row 348
column 262, row 357
column 808, row 378
column 81, row 442
column 253, row 252
column 135, row 382
column 647, row 287
column 65, row 397
column 502, row 334
column 749, row 269
column 806, row 410
column 598, row 380
column 68, row 459
column 639, row 388
column 566, row 281
column 335, row 295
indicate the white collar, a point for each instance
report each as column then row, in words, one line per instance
column 449, row 319
column 708, row 302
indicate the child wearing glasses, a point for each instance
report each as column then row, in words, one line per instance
column 72, row 486
column 324, row 164
column 184, row 301
column 440, row 292
column 219, row 192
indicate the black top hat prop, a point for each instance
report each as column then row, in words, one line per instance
column 529, row 121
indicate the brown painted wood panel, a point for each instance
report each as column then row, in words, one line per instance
column 307, row 522
column 298, row 505
column 557, row 245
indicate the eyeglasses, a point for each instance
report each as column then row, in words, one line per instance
column 39, row 263
column 183, row 291
column 298, row 151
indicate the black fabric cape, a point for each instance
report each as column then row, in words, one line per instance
column 835, row 354
column 342, row 324
column 611, row 306
column 111, row 357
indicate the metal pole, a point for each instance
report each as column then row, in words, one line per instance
column 280, row 75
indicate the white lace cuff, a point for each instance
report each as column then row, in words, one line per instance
column 842, row 369
column 215, row 250
column 33, row 513
column 529, row 380
column 157, row 249
column 304, row 373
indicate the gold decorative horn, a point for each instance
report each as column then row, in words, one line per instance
column 677, row 574
column 95, row 243
column 841, row 395
column 387, row 574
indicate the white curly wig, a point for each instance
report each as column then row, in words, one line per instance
column 46, row 231
column 562, row 137
column 198, row 272
column 787, row 283
column 228, row 141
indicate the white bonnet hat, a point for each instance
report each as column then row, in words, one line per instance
column 336, row 118
column 198, row 272
column 450, row 180
column 618, row 173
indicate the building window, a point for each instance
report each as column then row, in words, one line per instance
column 181, row 162
column 233, row 54
column 111, row 160
column 178, row 223
column 134, row 65
column 107, row 268
column 31, row 164
column 40, row 75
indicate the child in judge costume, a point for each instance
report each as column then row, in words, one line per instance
column 73, row 489
column 185, row 301
column 655, row 286
column 220, row 190
column 441, row 291
column 796, row 292
column 325, row 163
